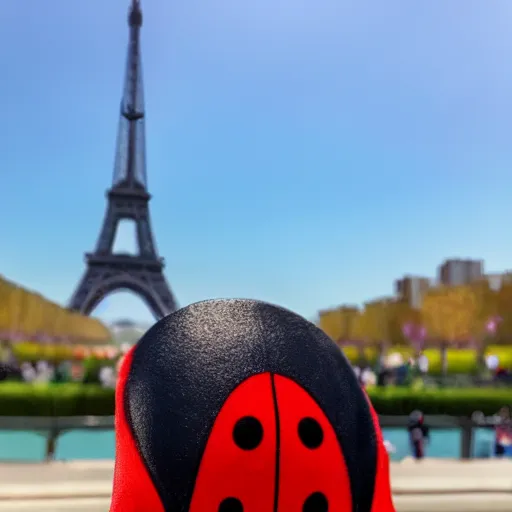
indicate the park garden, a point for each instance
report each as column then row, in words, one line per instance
column 463, row 332
column 456, row 328
column 55, row 360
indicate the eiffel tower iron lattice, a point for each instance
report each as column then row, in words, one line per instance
column 128, row 198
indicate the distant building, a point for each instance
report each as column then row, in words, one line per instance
column 496, row 280
column 412, row 289
column 460, row 272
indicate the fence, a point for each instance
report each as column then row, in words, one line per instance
column 53, row 427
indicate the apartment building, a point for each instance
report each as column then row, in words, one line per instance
column 456, row 272
column 411, row 289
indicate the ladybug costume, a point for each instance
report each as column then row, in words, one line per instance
column 242, row 406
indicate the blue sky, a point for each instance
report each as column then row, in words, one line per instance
column 304, row 153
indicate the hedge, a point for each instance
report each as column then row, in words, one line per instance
column 460, row 361
column 449, row 401
column 20, row 399
column 70, row 399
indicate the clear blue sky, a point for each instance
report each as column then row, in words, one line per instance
column 305, row 153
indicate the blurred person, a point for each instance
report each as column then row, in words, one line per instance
column 41, row 367
column 418, row 434
column 9, row 372
column 368, row 378
column 395, row 372
column 492, row 362
column 381, row 361
column 382, row 371
column 382, row 377
column 62, row 373
column 28, row 372
column 423, row 363
column 107, row 377
column 402, row 374
column 503, row 433
column 502, row 376
column 394, row 360
column 44, row 372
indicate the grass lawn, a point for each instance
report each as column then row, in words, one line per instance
column 459, row 360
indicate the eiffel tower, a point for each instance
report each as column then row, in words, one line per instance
column 128, row 198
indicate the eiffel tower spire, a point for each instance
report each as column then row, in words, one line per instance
column 130, row 162
column 128, row 198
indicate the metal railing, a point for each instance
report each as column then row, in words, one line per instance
column 466, row 426
column 53, row 427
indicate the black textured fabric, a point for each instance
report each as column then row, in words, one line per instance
column 186, row 366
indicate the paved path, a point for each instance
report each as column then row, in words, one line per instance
column 437, row 476
column 56, row 472
column 62, row 505
column 429, row 486
column 94, row 478
column 477, row 503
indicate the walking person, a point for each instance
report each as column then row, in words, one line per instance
column 418, row 434
column 503, row 432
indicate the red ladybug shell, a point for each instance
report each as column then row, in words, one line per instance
column 240, row 406
column 272, row 432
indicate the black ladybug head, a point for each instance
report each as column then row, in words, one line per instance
column 239, row 405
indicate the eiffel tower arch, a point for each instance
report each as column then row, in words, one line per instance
column 102, row 284
column 127, row 199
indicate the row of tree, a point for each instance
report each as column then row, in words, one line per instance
column 25, row 315
column 458, row 314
